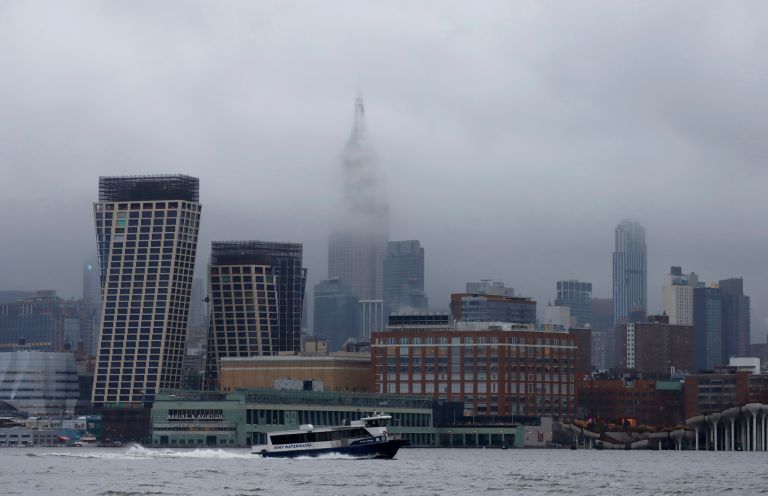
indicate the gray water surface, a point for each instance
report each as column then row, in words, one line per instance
column 140, row 471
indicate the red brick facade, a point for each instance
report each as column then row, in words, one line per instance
column 494, row 372
column 723, row 389
column 647, row 401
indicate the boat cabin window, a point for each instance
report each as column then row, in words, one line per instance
column 290, row 438
column 350, row 433
column 377, row 423
column 316, row 437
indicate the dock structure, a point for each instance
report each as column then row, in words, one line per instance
column 740, row 428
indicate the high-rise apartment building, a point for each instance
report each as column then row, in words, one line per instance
column 736, row 326
column 257, row 296
column 404, row 277
column 656, row 348
column 576, row 295
column 707, row 328
column 337, row 313
column 630, row 271
column 146, row 231
column 357, row 245
column 677, row 296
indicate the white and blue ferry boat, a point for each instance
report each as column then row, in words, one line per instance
column 364, row 438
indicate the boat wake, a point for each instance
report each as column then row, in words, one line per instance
column 333, row 456
column 138, row 452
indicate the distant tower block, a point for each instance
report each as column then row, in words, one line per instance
column 630, row 271
column 404, row 277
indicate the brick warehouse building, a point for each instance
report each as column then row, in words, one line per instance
column 494, row 369
column 726, row 387
column 658, row 403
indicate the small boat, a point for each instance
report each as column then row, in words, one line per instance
column 364, row 438
column 87, row 439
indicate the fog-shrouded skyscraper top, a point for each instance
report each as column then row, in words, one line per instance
column 358, row 241
column 146, row 233
column 630, row 271
column 364, row 193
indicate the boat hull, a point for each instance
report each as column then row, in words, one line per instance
column 379, row 450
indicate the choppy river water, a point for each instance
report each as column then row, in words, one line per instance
column 140, row 471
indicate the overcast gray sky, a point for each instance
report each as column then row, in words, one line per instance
column 513, row 136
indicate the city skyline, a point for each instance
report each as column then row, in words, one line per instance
column 443, row 304
column 453, row 132
column 242, row 230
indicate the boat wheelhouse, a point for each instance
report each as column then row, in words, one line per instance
column 364, row 438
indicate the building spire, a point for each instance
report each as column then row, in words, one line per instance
column 358, row 127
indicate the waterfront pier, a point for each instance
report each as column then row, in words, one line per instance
column 741, row 428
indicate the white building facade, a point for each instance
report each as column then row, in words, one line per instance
column 677, row 296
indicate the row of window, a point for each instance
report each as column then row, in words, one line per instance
column 316, row 437
column 195, row 428
column 136, row 366
column 458, row 340
column 234, row 270
column 183, row 250
column 231, row 290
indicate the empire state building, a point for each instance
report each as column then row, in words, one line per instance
column 358, row 242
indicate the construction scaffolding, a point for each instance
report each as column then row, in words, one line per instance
column 253, row 252
column 149, row 188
